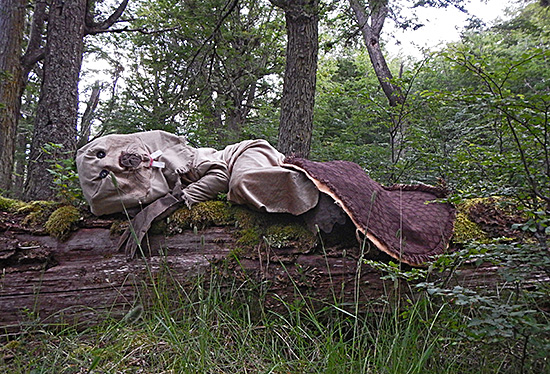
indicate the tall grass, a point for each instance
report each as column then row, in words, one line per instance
column 215, row 327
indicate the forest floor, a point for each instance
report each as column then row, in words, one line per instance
column 218, row 326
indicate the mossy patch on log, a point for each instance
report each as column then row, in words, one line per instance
column 497, row 216
column 201, row 215
column 289, row 235
column 10, row 205
column 21, row 207
column 249, row 237
column 38, row 212
column 466, row 229
column 275, row 230
column 35, row 213
column 62, row 221
column 253, row 228
column 484, row 219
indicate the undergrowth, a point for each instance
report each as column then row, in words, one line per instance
column 211, row 326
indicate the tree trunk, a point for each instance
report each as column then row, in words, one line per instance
column 297, row 102
column 57, row 110
column 378, row 10
column 18, row 183
column 237, row 113
column 88, row 116
column 12, row 24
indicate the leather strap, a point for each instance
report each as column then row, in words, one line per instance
column 132, row 238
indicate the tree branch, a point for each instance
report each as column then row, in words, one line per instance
column 230, row 6
column 362, row 18
column 371, row 36
column 34, row 51
column 379, row 12
column 127, row 29
column 30, row 58
column 86, row 121
column 93, row 28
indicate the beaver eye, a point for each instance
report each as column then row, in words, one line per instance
column 100, row 154
column 103, row 173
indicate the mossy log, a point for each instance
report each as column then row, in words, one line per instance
column 78, row 277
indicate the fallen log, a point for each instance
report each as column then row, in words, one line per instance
column 82, row 279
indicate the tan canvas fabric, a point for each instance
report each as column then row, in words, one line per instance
column 205, row 179
column 249, row 170
column 258, row 180
column 138, row 182
column 255, row 178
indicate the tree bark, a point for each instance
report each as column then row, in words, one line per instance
column 88, row 115
column 18, row 182
column 84, row 278
column 12, row 24
column 298, row 100
column 371, row 27
column 57, row 110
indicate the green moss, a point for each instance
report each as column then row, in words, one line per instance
column 36, row 206
column 246, row 218
column 208, row 213
column 10, row 205
column 249, row 237
column 61, row 221
column 465, row 229
column 278, row 230
column 289, row 235
column 37, row 212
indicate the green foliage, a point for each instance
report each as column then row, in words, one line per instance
column 511, row 319
column 350, row 123
column 394, row 271
column 67, row 186
column 476, row 114
column 537, row 222
column 213, row 73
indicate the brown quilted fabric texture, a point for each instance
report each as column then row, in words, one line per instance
column 399, row 218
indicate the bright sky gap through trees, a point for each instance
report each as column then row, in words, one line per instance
column 441, row 26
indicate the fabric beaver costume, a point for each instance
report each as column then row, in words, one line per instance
column 158, row 172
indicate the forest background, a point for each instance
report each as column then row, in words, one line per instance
column 472, row 114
